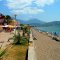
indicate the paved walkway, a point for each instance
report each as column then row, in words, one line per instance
column 46, row 48
column 4, row 36
column 31, row 51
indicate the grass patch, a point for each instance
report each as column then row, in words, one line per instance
column 16, row 52
column 2, row 52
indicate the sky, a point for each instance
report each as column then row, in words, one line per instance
column 45, row 10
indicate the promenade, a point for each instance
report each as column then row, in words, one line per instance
column 4, row 36
column 45, row 47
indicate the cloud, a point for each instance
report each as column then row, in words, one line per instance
column 28, row 10
column 18, row 3
column 26, row 6
column 43, row 3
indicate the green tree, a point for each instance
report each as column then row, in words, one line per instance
column 8, row 19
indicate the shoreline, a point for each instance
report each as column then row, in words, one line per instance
column 52, row 32
column 49, row 34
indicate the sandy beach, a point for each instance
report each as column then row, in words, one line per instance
column 45, row 47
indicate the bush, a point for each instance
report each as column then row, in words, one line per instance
column 17, row 38
column 24, row 40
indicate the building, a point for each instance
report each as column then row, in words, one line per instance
column 2, row 18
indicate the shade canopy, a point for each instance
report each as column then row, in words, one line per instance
column 10, row 26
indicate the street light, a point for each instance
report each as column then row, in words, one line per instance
column 15, row 16
column 15, row 26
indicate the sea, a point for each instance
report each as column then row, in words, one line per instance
column 50, row 29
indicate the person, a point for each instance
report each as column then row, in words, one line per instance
column 55, row 33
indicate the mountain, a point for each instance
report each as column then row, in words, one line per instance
column 22, row 21
column 39, row 23
column 54, row 23
column 31, row 22
column 44, row 24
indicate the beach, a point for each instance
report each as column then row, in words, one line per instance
column 45, row 47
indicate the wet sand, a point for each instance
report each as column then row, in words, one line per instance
column 46, row 48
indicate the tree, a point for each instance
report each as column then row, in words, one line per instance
column 8, row 19
column 2, row 18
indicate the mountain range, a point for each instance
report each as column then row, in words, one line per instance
column 31, row 21
column 36, row 22
column 53, row 23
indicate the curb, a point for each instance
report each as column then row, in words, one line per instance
column 31, row 49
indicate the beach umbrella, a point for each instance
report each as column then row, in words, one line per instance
column 10, row 26
column 4, row 26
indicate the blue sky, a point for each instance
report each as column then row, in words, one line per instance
column 45, row 10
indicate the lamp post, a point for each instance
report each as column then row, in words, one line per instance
column 15, row 16
column 15, row 24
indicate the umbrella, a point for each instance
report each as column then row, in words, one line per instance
column 10, row 26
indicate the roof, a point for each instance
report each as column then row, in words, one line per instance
column 2, row 16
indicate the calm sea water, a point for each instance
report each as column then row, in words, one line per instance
column 50, row 29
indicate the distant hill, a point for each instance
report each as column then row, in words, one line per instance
column 54, row 23
column 44, row 24
column 39, row 23
column 31, row 22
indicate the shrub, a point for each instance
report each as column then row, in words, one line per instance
column 24, row 40
column 17, row 38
